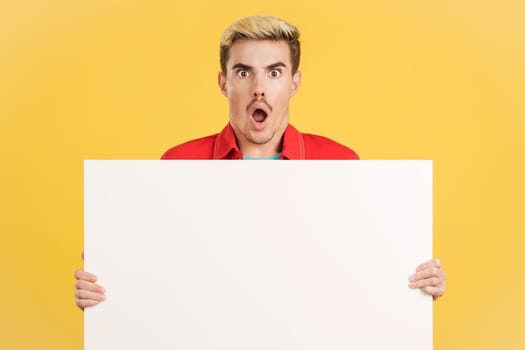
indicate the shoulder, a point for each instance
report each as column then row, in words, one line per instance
column 201, row 148
column 320, row 147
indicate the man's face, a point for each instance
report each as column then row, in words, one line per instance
column 259, row 84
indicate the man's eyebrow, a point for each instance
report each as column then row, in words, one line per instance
column 241, row 66
column 268, row 67
column 276, row 65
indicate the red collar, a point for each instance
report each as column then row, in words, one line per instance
column 225, row 146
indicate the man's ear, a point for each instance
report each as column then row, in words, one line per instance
column 221, row 80
column 296, row 81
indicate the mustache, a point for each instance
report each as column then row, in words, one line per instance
column 262, row 100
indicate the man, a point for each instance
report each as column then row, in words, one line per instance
column 259, row 74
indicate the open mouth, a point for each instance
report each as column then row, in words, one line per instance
column 259, row 115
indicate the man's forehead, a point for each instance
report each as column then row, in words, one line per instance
column 260, row 53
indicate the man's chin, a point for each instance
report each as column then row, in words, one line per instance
column 260, row 137
column 260, row 141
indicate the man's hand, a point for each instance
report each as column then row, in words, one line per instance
column 87, row 292
column 430, row 278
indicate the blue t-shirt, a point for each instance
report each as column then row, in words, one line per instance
column 275, row 157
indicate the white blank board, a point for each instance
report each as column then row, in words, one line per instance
column 258, row 254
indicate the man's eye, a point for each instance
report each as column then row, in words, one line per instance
column 274, row 73
column 243, row 74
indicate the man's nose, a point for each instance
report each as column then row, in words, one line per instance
column 258, row 87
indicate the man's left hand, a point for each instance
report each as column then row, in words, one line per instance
column 430, row 278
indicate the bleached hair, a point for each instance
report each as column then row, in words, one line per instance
column 261, row 28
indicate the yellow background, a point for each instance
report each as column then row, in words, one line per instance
column 440, row 80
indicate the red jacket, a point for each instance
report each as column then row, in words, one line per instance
column 295, row 146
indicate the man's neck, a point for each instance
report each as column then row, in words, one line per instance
column 260, row 151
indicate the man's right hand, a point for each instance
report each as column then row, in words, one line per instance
column 87, row 292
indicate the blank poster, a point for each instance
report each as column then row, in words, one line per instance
column 258, row 255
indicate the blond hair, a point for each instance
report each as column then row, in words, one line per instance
column 261, row 28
